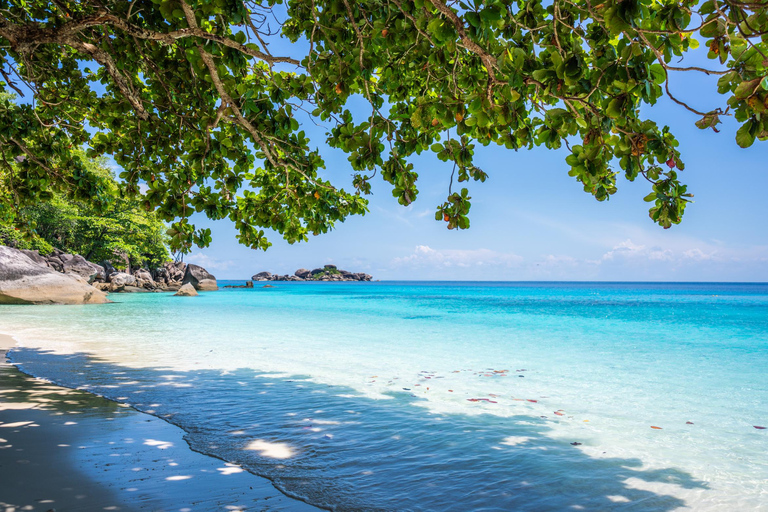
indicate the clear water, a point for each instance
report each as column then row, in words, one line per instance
column 444, row 396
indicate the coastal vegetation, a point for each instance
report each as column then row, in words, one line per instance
column 192, row 103
column 111, row 228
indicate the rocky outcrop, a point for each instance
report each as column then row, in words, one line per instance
column 119, row 280
column 186, row 290
column 248, row 284
column 25, row 280
column 303, row 273
column 105, row 277
column 84, row 268
column 200, row 278
column 326, row 273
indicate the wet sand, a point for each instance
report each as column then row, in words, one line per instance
column 66, row 449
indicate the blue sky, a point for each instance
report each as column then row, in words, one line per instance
column 531, row 221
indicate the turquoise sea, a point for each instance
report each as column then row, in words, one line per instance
column 443, row 395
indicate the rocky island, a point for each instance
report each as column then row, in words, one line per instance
column 325, row 273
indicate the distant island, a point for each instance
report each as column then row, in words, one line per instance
column 325, row 273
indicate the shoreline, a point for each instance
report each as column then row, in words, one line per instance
column 68, row 449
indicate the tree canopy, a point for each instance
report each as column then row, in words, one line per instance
column 121, row 230
column 189, row 99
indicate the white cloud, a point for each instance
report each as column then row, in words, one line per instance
column 208, row 263
column 425, row 256
column 629, row 250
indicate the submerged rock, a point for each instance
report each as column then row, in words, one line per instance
column 24, row 281
column 248, row 284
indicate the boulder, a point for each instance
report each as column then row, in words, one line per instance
column 55, row 263
column 121, row 279
column 161, row 275
column 186, row 290
column 143, row 274
column 108, row 268
column 135, row 289
column 84, row 268
column 200, row 278
column 330, row 266
column 303, row 273
column 175, row 271
column 35, row 256
column 23, row 281
column 318, row 271
column 207, row 285
column 262, row 276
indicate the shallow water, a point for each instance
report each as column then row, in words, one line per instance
column 444, row 396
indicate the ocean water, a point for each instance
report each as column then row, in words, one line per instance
column 443, row 396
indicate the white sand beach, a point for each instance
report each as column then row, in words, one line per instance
column 64, row 449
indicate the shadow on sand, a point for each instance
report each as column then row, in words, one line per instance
column 342, row 451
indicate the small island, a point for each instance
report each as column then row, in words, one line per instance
column 325, row 273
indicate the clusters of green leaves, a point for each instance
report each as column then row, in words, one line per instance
column 120, row 230
column 187, row 99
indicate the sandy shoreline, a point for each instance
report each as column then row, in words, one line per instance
column 66, row 449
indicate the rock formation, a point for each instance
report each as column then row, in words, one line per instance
column 326, row 273
column 248, row 284
column 186, row 290
column 199, row 278
column 24, row 279
column 105, row 277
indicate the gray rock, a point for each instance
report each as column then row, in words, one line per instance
column 23, row 281
column 65, row 257
column 187, row 290
column 330, row 266
column 318, row 271
column 134, row 289
column 161, row 275
column 195, row 275
column 55, row 263
column 35, row 256
column 120, row 280
column 303, row 273
column 84, row 268
column 143, row 274
column 262, row 276
column 207, row 285
column 108, row 268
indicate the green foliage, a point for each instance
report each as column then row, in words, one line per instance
column 194, row 106
column 326, row 270
column 119, row 230
column 13, row 237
